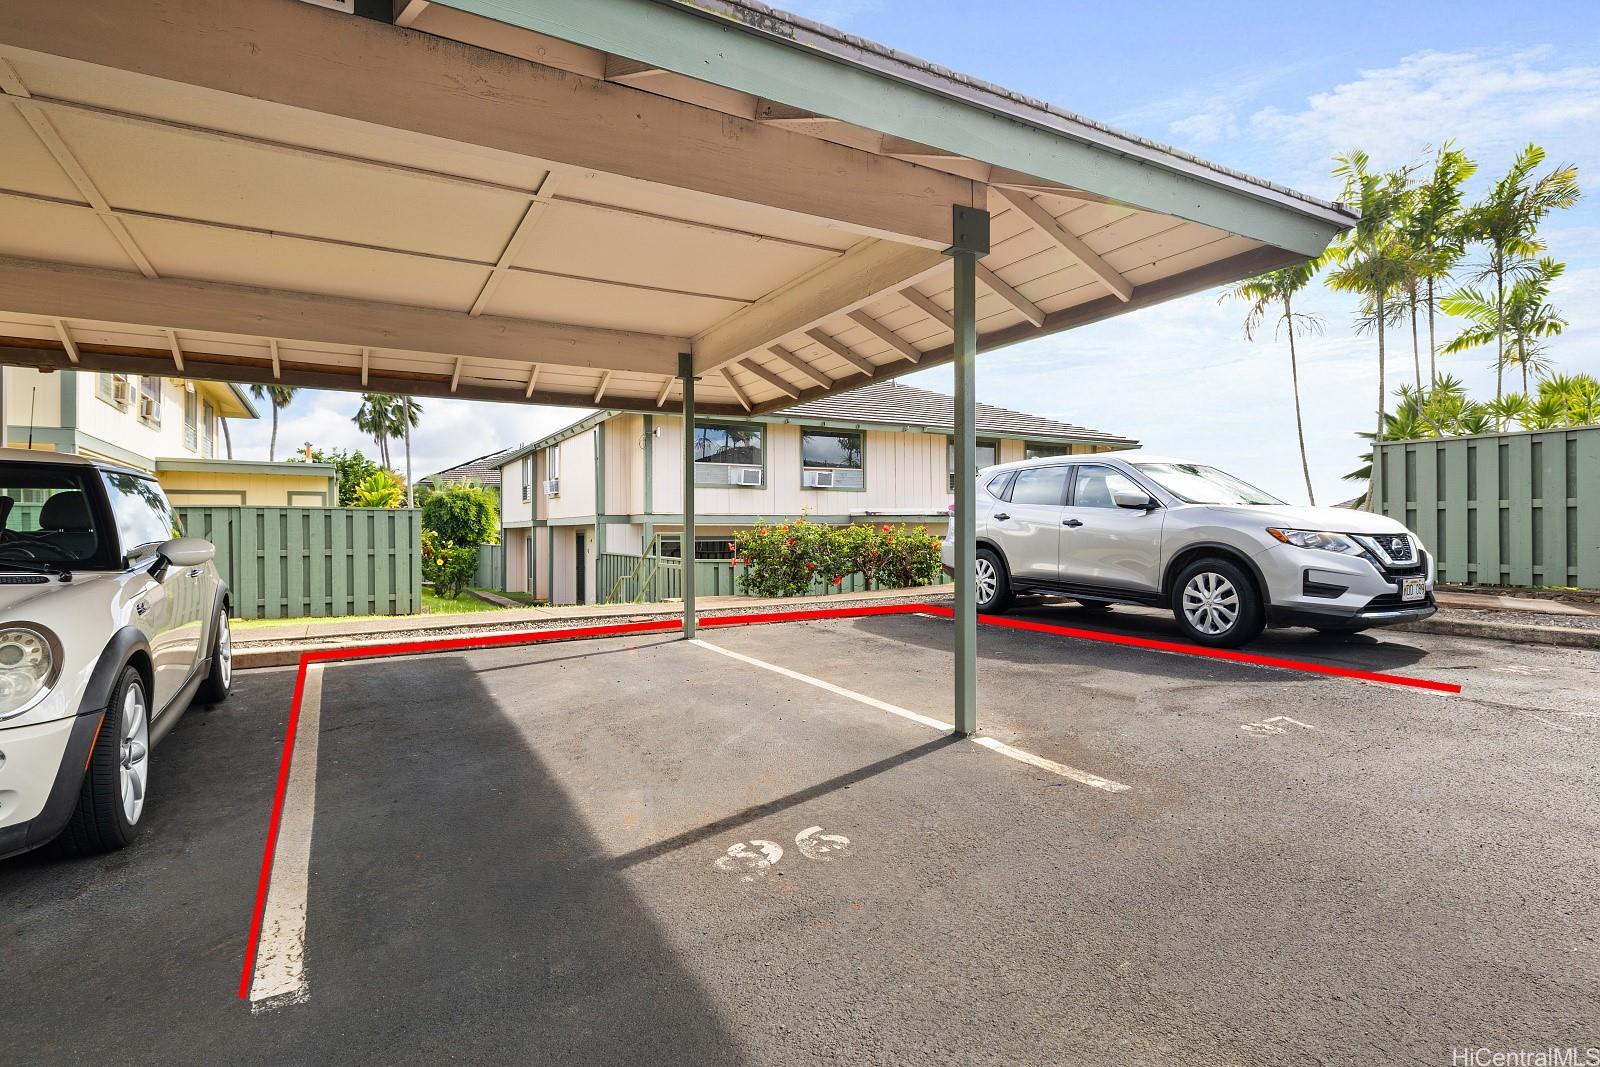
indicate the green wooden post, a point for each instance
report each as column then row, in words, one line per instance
column 686, row 545
column 969, row 239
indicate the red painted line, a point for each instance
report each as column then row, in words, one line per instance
column 529, row 637
column 265, row 877
column 1231, row 655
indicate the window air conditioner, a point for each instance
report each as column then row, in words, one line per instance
column 552, row 487
column 818, row 479
column 747, row 476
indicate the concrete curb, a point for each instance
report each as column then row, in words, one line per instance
column 1565, row 636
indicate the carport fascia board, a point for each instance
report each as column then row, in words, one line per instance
column 776, row 57
column 368, row 71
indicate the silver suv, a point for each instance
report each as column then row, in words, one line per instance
column 1227, row 558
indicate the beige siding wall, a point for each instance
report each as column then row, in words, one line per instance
column 577, row 479
column 516, row 547
column 25, row 386
column 513, row 508
column 256, row 490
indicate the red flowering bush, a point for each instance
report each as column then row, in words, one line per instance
column 791, row 559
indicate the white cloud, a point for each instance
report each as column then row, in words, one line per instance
column 1492, row 103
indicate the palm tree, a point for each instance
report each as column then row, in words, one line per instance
column 1521, row 322
column 1266, row 294
column 1433, row 229
column 1371, row 258
column 1504, row 410
column 1506, row 222
column 1578, row 395
column 374, row 418
column 406, row 413
column 279, row 396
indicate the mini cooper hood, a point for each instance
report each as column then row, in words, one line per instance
column 1331, row 520
column 16, row 599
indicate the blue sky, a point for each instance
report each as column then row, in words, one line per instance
column 1274, row 91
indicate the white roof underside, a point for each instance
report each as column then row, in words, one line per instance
column 150, row 222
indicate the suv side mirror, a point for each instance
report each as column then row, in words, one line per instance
column 1128, row 498
column 187, row 551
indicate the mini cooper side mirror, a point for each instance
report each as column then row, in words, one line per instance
column 1126, row 498
column 187, row 551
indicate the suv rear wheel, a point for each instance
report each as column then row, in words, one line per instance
column 993, row 583
column 1216, row 603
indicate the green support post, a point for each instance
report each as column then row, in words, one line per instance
column 686, row 373
column 969, row 240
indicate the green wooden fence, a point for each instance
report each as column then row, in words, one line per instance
column 1518, row 509
column 283, row 562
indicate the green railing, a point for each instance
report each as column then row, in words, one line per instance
column 283, row 562
column 642, row 580
column 1501, row 509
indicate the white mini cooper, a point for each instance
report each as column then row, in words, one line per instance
column 111, row 623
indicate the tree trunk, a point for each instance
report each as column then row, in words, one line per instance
column 1416, row 352
column 1433, row 351
column 1377, row 438
column 272, row 445
column 1299, row 424
column 409, row 499
column 1499, row 333
column 227, row 438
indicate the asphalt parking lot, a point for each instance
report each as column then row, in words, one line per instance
column 568, row 852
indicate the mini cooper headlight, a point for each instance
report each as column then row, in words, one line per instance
column 28, row 666
column 1329, row 542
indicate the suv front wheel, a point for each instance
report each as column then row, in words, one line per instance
column 1217, row 604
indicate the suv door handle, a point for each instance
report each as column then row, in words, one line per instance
column 1001, row 516
column 1072, row 522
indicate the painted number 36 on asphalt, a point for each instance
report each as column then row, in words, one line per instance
column 752, row 859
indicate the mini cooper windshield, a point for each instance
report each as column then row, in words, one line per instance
column 47, row 522
column 1193, row 483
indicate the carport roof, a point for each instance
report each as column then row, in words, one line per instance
column 548, row 202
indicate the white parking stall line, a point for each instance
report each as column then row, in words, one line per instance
column 279, row 976
column 1010, row 751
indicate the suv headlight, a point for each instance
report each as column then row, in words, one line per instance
column 1328, row 542
column 29, row 662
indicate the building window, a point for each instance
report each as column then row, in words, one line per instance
column 113, row 389
column 208, row 431
column 150, row 400
column 191, row 420
column 730, row 455
column 706, row 548
column 527, row 478
column 988, row 456
column 1046, row 451
column 832, row 459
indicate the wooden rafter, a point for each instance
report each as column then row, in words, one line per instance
column 774, row 380
column 600, row 390
column 843, row 352
column 799, row 366
column 1041, row 220
column 738, row 393
column 918, row 299
column 1004, row 290
column 533, row 381
column 666, row 390
column 903, row 348
column 177, row 349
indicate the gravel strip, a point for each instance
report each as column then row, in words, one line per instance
column 1523, row 618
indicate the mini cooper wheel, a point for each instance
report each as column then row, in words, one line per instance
column 992, row 582
column 214, row 690
column 111, row 799
column 1216, row 604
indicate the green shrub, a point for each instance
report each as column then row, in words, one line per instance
column 462, row 513
column 910, row 557
column 381, row 489
column 447, row 565
column 784, row 559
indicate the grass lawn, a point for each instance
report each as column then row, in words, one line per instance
column 431, row 605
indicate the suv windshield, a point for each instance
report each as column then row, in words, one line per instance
column 1195, row 484
column 46, row 517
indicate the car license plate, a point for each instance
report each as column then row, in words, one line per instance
column 1412, row 589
